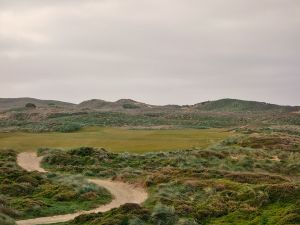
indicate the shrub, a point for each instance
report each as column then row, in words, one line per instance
column 130, row 106
column 17, row 189
column 187, row 222
column 87, row 188
column 6, row 220
column 84, row 218
column 283, row 192
column 163, row 215
column 83, row 151
column 292, row 218
column 88, row 196
column 65, row 196
column 28, row 179
column 30, row 106
column 68, row 127
column 4, row 209
column 255, row 178
column 127, row 214
column 136, row 221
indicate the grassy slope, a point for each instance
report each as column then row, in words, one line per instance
column 11, row 103
column 235, row 105
column 225, row 113
column 115, row 138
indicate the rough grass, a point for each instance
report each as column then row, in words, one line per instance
column 115, row 139
column 26, row 195
column 223, row 184
column 276, row 213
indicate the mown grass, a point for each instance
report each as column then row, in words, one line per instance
column 115, row 139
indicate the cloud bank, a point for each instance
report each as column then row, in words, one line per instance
column 158, row 51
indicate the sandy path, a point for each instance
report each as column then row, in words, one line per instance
column 30, row 162
column 122, row 192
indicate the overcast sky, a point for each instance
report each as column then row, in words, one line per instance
column 155, row 51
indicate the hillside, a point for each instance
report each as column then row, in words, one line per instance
column 236, row 105
column 11, row 103
column 128, row 105
column 121, row 104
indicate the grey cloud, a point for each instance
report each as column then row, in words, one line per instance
column 160, row 51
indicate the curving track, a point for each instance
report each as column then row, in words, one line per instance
column 122, row 193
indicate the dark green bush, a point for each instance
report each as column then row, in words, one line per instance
column 164, row 215
column 28, row 179
column 187, row 222
column 65, row 196
column 284, row 192
column 30, row 106
column 17, row 189
column 68, row 127
column 130, row 106
column 125, row 214
column 255, row 178
column 6, row 220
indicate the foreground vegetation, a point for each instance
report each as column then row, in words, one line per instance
column 116, row 139
column 26, row 195
column 248, row 179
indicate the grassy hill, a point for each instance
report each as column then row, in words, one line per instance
column 67, row 117
column 235, row 105
column 119, row 105
column 126, row 105
column 13, row 103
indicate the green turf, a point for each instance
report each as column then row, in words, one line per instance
column 115, row 139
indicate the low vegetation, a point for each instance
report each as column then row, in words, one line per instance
column 32, row 194
column 227, row 183
column 51, row 116
column 34, row 122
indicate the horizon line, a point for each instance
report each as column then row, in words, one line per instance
column 70, row 102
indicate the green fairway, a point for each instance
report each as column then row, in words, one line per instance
column 114, row 139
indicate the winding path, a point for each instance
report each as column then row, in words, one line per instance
column 122, row 193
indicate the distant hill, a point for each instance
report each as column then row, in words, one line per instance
column 235, row 105
column 11, row 103
column 121, row 104
column 93, row 103
column 128, row 105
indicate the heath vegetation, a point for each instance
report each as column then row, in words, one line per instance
column 33, row 194
column 232, row 182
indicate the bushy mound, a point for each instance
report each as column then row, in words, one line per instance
column 125, row 214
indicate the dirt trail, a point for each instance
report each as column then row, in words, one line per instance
column 122, row 192
column 30, row 161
